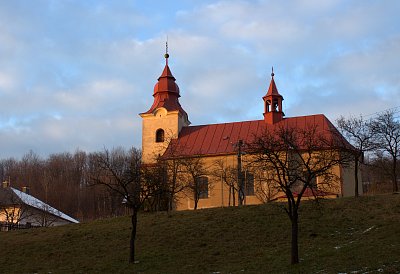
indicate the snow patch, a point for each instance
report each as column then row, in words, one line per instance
column 368, row 229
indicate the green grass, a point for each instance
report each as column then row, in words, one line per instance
column 338, row 236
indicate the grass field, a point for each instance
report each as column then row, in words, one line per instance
column 338, row 236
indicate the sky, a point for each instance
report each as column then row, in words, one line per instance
column 74, row 75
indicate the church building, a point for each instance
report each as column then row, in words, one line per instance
column 167, row 132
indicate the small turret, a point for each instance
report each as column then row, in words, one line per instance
column 273, row 112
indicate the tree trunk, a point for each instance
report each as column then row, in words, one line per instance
column 295, row 233
column 395, row 186
column 356, row 164
column 230, row 194
column 170, row 202
column 195, row 198
column 133, row 236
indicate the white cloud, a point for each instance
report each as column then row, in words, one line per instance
column 76, row 74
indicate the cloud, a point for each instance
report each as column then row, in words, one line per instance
column 76, row 74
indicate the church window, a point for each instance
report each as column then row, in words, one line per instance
column 249, row 187
column 202, row 187
column 160, row 135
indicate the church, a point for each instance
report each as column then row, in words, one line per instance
column 168, row 133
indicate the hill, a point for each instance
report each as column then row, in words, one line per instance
column 338, row 236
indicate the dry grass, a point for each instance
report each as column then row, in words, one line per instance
column 338, row 236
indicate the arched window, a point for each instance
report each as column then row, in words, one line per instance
column 202, row 187
column 160, row 135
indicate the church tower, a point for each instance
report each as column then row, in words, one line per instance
column 165, row 118
column 273, row 112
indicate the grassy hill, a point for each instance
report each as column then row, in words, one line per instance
column 338, row 236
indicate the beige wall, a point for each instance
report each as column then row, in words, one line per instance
column 171, row 122
column 348, row 179
column 219, row 191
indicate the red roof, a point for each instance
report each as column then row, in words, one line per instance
column 272, row 90
column 166, row 93
column 166, row 82
column 219, row 139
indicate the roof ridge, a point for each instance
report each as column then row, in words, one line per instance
column 257, row 120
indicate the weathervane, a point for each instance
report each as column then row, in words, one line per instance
column 272, row 73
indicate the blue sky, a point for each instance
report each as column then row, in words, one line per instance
column 76, row 74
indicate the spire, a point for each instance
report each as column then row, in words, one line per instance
column 166, row 81
column 166, row 91
column 272, row 90
column 273, row 112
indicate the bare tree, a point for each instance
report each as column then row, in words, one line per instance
column 120, row 171
column 12, row 209
column 172, row 164
column 378, row 172
column 296, row 158
column 358, row 133
column 196, row 181
column 228, row 175
column 265, row 186
column 386, row 131
column 44, row 215
column 156, row 180
column 64, row 181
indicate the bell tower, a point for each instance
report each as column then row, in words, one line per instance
column 273, row 112
column 165, row 118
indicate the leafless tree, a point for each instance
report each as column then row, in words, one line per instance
column 295, row 158
column 172, row 165
column 195, row 174
column 377, row 173
column 386, row 132
column 12, row 208
column 358, row 133
column 156, row 180
column 44, row 215
column 120, row 171
column 63, row 180
column 228, row 175
column 266, row 189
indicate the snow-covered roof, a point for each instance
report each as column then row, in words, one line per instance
column 36, row 203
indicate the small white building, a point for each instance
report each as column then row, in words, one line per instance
column 19, row 209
